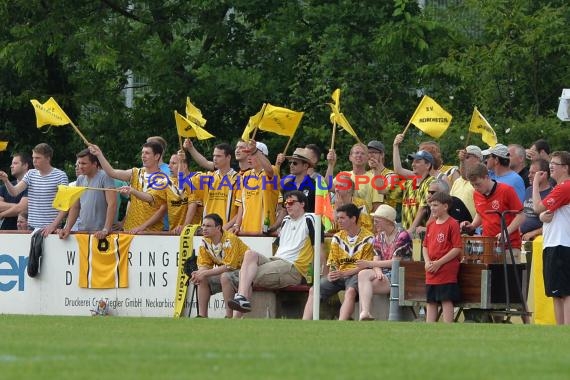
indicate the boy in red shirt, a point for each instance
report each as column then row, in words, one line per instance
column 442, row 245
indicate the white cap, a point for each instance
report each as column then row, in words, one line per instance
column 262, row 147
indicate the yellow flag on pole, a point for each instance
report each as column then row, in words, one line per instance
column 431, row 118
column 279, row 120
column 194, row 114
column 187, row 128
column 49, row 113
column 3, row 145
column 337, row 116
column 481, row 126
column 253, row 123
column 66, row 196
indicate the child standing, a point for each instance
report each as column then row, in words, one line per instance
column 442, row 245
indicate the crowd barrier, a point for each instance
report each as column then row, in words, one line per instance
column 55, row 291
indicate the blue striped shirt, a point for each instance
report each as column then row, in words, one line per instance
column 41, row 192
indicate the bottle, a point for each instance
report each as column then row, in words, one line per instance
column 310, row 274
column 266, row 223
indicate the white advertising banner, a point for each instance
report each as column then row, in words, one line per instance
column 152, row 270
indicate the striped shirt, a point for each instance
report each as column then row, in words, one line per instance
column 41, row 192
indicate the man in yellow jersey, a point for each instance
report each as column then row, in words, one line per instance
column 216, row 189
column 258, row 194
column 141, row 215
column 219, row 258
column 350, row 244
column 291, row 262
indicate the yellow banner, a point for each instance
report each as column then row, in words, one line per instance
column 279, row 120
column 187, row 128
column 543, row 307
column 49, row 113
column 194, row 114
column 66, row 196
column 185, row 252
column 481, row 126
column 253, row 123
column 431, row 118
column 338, row 117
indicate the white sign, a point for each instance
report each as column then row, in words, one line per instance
column 55, row 291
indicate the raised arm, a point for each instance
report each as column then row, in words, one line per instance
column 12, row 190
column 123, row 175
column 396, row 157
column 202, row 161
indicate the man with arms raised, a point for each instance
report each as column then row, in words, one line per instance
column 41, row 182
column 141, row 215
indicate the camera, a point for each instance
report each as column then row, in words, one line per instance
column 190, row 265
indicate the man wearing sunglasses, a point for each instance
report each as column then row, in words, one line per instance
column 291, row 262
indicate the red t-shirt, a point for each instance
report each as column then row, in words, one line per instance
column 558, row 197
column 439, row 240
column 503, row 197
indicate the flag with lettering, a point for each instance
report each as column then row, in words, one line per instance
column 431, row 118
column 187, row 128
column 481, row 126
column 280, row 120
column 194, row 115
column 66, row 196
column 49, row 113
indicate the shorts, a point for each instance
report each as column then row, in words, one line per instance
column 215, row 284
column 331, row 288
column 443, row 292
column 556, row 271
column 276, row 273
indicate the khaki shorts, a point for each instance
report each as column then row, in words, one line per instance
column 276, row 273
column 216, row 286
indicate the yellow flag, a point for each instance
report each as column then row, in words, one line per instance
column 3, row 145
column 253, row 123
column 49, row 113
column 66, row 196
column 337, row 116
column 279, row 120
column 431, row 118
column 194, row 114
column 481, row 126
column 187, row 128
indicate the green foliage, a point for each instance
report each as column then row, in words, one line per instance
column 508, row 57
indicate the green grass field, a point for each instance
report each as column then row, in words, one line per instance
column 158, row 348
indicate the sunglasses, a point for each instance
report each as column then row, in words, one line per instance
column 294, row 163
column 289, row 202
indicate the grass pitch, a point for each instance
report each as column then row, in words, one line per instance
column 47, row 347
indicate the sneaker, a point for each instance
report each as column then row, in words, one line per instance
column 240, row 303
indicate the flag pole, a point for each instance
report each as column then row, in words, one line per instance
column 333, row 134
column 413, row 116
column 100, row 188
column 180, row 142
column 287, row 146
column 80, row 134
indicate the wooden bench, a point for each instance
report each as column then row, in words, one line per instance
column 287, row 302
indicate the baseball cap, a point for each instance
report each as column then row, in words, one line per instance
column 498, row 150
column 262, row 147
column 423, row 154
column 474, row 150
column 376, row 145
column 386, row 212
column 301, row 154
